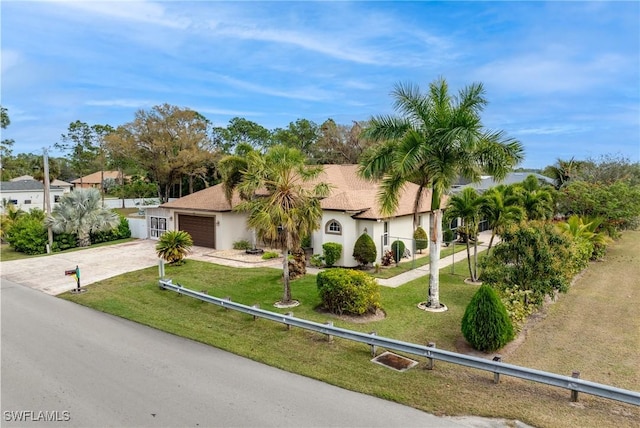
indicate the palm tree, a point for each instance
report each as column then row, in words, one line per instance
column 501, row 208
column 174, row 245
column 285, row 208
column 468, row 207
column 81, row 212
column 536, row 200
column 563, row 171
column 437, row 138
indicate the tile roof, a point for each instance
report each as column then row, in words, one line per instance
column 21, row 185
column 349, row 192
column 95, row 177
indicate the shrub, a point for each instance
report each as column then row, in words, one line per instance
column 364, row 251
column 486, row 324
column 173, row 246
column 420, row 236
column 268, row 255
column 64, row 241
column 242, row 244
column 27, row 235
column 387, row 258
column 121, row 231
column 448, row 235
column 518, row 305
column 317, row 260
column 397, row 250
column 332, row 253
column 348, row 291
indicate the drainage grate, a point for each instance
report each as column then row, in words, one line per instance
column 394, row 361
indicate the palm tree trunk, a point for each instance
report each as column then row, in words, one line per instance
column 474, row 275
column 469, row 257
column 493, row 235
column 435, row 224
column 286, row 298
column 84, row 240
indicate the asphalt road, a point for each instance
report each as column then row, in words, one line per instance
column 90, row 369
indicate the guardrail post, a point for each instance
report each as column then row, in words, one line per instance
column 430, row 361
column 329, row 336
column 574, row 393
column 288, row 314
column 496, row 375
column 374, row 348
column 257, row 306
column 228, row 299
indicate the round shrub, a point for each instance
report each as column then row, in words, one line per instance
column 486, row 324
column 332, row 253
column 346, row 291
column 173, row 246
column 420, row 236
column 27, row 235
column 397, row 249
column 364, row 251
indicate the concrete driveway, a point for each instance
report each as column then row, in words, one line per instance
column 46, row 273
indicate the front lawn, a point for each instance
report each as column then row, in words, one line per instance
column 449, row 389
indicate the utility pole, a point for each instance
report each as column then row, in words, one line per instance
column 47, row 199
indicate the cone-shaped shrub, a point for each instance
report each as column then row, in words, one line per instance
column 486, row 324
column 397, row 249
column 364, row 251
column 420, row 237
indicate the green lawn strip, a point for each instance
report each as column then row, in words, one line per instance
column 449, row 389
column 405, row 266
column 7, row 253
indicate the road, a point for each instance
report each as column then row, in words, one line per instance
column 97, row 370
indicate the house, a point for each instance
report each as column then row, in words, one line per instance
column 27, row 194
column 66, row 187
column 487, row 181
column 351, row 209
column 95, row 179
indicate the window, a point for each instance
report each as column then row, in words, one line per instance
column 27, row 201
column 13, row 201
column 158, row 226
column 385, row 236
column 56, row 198
column 333, row 227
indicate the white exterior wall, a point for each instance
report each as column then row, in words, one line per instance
column 232, row 228
column 138, row 227
column 35, row 196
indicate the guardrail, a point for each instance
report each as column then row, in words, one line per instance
column 573, row 384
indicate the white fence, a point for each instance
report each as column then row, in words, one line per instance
column 138, row 228
column 130, row 203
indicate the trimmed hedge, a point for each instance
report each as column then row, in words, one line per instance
column 332, row 253
column 346, row 291
column 364, row 251
column 397, row 250
column 421, row 238
column 486, row 324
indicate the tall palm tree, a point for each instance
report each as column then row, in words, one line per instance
column 286, row 207
column 501, row 208
column 437, row 138
column 467, row 205
column 81, row 212
column 536, row 200
column 563, row 171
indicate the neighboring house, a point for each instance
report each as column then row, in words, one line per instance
column 351, row 209
column 95, row 179
column 27, row 194
column 66, row 187
column 487, row 181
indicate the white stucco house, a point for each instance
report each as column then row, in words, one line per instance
column 351, row 209
column 27, row 194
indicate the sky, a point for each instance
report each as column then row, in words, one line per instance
column 561, row 77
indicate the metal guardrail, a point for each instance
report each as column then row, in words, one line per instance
column 573, row 384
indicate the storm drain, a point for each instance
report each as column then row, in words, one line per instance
column 394, row 361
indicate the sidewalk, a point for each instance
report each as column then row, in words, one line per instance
column 403, row 278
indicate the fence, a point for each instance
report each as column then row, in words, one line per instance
column 573, row 383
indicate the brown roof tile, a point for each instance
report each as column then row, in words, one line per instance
column 349, row 192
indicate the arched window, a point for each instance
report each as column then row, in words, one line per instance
column 333, row 227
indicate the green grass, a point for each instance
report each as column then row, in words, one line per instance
column 7, row 253
column 449, row 389
column 405, row 266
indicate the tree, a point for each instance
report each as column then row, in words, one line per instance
column 286, row 209
column 173, row 246
column 468, row 207
column 536, row 200
column 6, row 144
column 167, row 142
column 421, row 239
column 563, row 171
column 339, row 144
column 240, row 131
column 301, row 134
column 437, row 138
column 82, row 144
column 80, row 212
column 500, row 207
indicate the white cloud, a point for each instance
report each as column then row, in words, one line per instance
column 121, row 102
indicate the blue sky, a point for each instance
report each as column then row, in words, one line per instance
column 562, row 77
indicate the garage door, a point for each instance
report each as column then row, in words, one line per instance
column 201, row 229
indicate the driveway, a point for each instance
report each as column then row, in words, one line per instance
column 46, row 273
